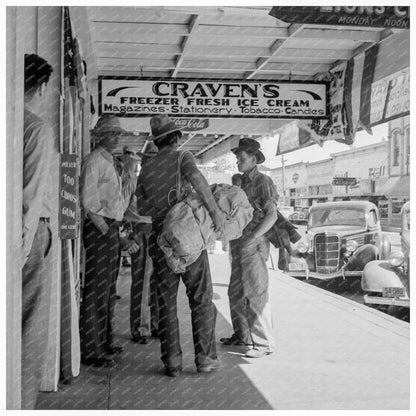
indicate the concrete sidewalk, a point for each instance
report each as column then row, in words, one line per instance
column 331, row 353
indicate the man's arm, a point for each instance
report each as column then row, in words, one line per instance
column 38, row 151
column 200, row 184
column 269, row 197
column 90, row 197
column 268, row 220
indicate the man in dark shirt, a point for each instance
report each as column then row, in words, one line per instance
column 249, row 284
column 38, row 151
column 156, row 194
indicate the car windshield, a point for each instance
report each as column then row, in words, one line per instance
column 337, row 216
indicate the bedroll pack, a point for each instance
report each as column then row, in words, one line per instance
column 188, row 228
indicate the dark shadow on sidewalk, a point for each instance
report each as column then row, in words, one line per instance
column 138, row 382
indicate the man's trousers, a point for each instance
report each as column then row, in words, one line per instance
column 197, row 279
column 99, row 292
column 36, row 289
column 248, row 291
column 144, row 311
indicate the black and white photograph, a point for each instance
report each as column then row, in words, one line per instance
column 207, row 206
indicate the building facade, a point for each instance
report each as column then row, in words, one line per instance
column 352, row 174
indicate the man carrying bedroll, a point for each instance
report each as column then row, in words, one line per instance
column 156, row 195
column 249, row 283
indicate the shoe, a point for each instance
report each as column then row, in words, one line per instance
column 140, row 339
column 118, row 297
column 257, row 353
column 209, row 367
column 99, row 362
column 126, row 263
column 233, row 340
column 173, row 371
column 114, row 349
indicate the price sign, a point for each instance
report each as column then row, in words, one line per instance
column 69, row 197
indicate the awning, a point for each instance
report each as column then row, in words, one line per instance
column 397, row 187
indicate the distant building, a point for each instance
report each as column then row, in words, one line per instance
column 366, row 168
column 362, row 172
column 397, row 188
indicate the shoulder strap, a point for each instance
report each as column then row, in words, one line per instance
column 178, row 192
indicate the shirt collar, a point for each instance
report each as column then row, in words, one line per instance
column 105, row 153
column 251, row 173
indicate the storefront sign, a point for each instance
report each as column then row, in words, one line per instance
column 390, row 98
column 69, row 197
column 191, row 124
column 344, row 181
column 370, row 16
column 374, row 173
column 129, row 97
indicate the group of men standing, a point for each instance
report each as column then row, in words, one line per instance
column 107, row 197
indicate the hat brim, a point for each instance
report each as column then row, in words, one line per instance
column 106, row 130
column 153, row 138
column 259, row 154
column 146, row 155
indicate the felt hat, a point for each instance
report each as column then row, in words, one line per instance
column 250, row 146
column 161, row 125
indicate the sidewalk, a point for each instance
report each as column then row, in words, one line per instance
column 331, row 353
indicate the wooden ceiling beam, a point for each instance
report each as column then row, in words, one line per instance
column 192, row 28
column 276, row 47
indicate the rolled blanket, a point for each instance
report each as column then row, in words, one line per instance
column 188, row 228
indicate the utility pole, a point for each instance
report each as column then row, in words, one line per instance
column 283, row 180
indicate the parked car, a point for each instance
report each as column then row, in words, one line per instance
column 285, row 210
column 342, row 237
column 386, row 282
column 300, row 216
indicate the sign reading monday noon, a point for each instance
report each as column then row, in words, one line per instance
column 213, row 98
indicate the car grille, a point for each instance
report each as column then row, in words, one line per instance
column 327, row 253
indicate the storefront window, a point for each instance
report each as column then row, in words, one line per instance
column 397, row 204
column 407, row 138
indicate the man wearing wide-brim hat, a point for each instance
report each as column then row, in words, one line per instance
column 102, row 200
column 249, row 283
column 157, row 193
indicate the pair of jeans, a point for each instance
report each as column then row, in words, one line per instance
column 36, row 292
column 144, row 311
column 197, row 280
column 99, row 291
column 248, row 291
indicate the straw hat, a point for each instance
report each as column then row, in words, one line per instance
column 106, row 124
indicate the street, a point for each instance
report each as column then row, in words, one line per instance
column 351, row 287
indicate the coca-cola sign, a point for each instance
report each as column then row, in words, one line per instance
column 191, row 124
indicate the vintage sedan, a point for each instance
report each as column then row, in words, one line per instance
column 300, row 216
column 387, row 282
column 342, row 237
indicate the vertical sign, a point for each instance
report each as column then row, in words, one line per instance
column 69, row 197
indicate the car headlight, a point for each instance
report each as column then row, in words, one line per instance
column 302, row 247
column 351, row 245
column 396, row 258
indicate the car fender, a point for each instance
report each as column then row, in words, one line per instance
column 378, row 274
column 363, row 255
